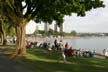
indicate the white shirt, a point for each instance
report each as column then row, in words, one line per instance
column 106, row 54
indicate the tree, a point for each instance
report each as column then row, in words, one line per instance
column 22, row 11
column 11, row 31
column 50, row 32
column 6, row 28
column 74, row 33
column 3, row 29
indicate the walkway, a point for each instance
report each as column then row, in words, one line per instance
column 7, row 65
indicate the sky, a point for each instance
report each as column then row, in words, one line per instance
column 95, row 20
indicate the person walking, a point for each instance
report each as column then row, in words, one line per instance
column 62, row 51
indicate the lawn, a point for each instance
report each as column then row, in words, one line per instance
column 40, row 60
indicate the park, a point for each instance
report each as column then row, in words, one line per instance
column 16, row 57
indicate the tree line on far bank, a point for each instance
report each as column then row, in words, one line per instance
column 73, row 33
column 54, row 33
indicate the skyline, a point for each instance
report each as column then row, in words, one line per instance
column 94, row 21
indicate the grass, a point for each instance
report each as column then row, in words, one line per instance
column 40, row 60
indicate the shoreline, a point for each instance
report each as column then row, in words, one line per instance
column 75, row 42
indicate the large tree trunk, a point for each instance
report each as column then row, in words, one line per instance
column 20, row 43
column 4, row 38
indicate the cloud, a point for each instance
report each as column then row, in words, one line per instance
column 94, row 21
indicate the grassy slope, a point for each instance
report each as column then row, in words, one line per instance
column 42, row 61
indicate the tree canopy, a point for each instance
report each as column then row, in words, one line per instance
column 46, row 10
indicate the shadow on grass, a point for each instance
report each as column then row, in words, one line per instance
column 43, row 66
column 42, row 61
column 7, row 50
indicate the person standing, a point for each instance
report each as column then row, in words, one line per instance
column 104, row 51
column 62, row 51
column 66, row 48
column 56, row 44
column 66, row 45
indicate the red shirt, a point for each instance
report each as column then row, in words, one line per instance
column 69, row 52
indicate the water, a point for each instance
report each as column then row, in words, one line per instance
column 93, row 43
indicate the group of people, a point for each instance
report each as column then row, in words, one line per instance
column 63, row 48
column 69, row 51
column 30, row 44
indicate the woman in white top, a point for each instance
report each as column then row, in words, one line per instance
column 62, row 51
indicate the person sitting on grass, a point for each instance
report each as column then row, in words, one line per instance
column 70, row 52
column 49, row 47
